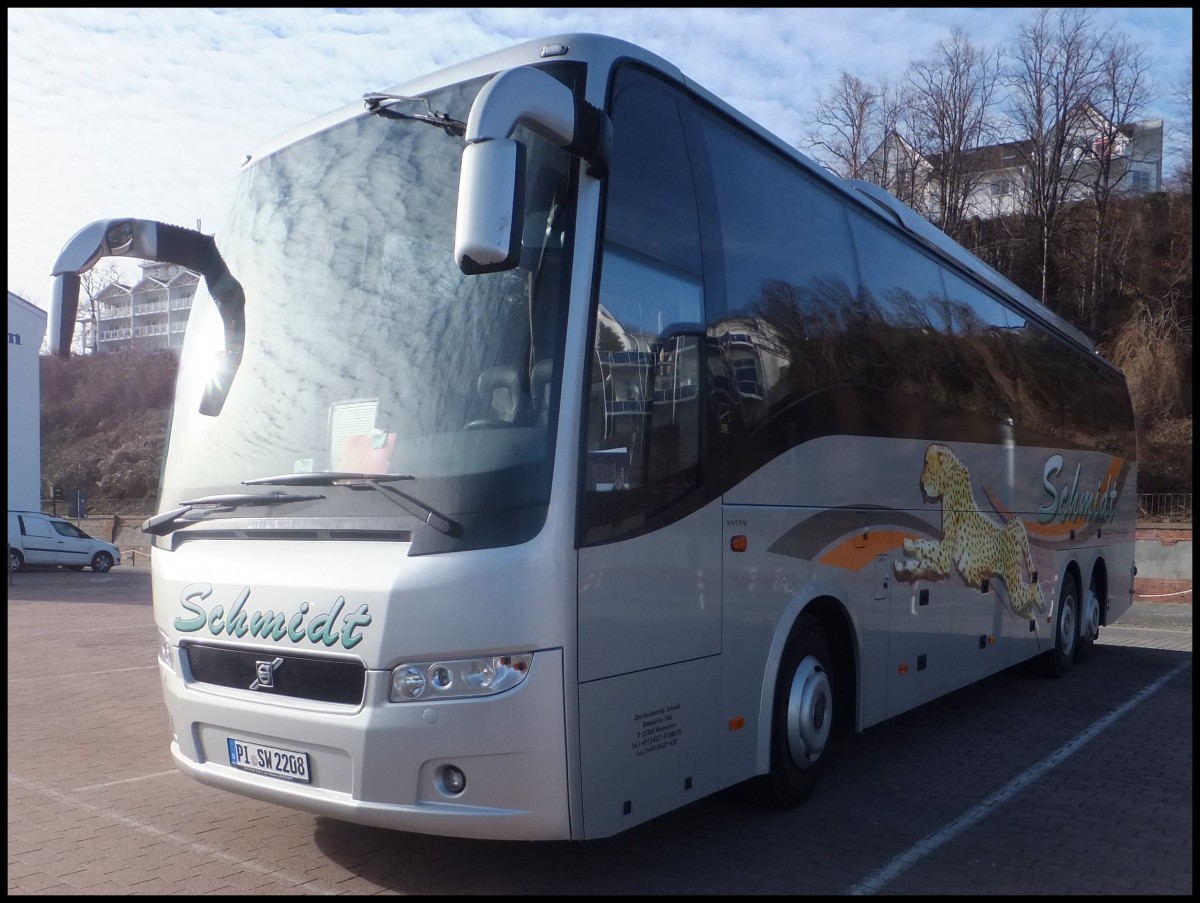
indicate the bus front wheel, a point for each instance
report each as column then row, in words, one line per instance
column 802, row 716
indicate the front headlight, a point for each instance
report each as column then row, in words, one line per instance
column 424, row 681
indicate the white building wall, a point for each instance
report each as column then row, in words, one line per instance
column 26, row 330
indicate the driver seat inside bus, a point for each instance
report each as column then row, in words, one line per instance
column 503, row 395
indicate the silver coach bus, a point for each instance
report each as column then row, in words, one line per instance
column 553, row 446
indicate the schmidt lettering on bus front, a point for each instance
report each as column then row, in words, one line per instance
column 269, row 624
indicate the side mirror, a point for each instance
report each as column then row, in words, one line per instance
column 64, row 307
column 491, row 199
column 491, row 189
column 150, row 240
column 103, row 238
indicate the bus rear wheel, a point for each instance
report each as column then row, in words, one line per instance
column 802, row 717
column 1089, row 623
column 1058, row 660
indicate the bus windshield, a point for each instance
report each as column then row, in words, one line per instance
column 366, row 349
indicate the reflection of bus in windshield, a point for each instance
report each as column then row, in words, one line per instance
column 552, row 447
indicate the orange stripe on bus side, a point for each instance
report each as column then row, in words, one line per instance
column 854, row 558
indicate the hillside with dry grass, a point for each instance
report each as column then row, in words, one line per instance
column 104, row 422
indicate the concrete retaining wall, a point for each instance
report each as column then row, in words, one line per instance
column 123, row 532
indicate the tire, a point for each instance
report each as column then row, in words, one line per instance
column 801, row 719
column 102, row 562
column 15, row 560
column 1089, row 625
column 1057, row 662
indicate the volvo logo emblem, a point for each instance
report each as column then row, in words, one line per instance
column 266, row 674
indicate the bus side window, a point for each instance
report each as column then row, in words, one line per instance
column 644, row 405
column 645, row 371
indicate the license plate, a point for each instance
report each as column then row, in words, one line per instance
column 279, row 763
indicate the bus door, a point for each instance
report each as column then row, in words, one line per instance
column 649, row 566
column 649, row 555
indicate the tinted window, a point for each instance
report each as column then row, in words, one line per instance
column 1066, row 396
column 789, row 273
column 644, row 396
column 650, row 205
column 900, row 285
column 977, row 365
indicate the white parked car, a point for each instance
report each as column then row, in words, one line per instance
column 39, row 539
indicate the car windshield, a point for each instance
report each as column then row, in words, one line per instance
column 367, row 350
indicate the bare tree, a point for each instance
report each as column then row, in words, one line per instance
column 1121, row 97
column 951, row 99
column 1181, row 99
column 1055, row 70
column 847, row 126
column 91, row 285
column 897, row 164
column 842, row 125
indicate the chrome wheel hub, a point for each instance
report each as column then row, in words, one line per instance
column 810, row 713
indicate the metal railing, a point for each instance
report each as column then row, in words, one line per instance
column 1164, row 507
column 133, row 508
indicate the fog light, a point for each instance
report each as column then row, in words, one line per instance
column 164, row 650
column 453, row 780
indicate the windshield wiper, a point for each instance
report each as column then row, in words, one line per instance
column 324, row 478
column 169, row 521
column 381, row 105
column 413, row 506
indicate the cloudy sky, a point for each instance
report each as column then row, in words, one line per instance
column 149, row 112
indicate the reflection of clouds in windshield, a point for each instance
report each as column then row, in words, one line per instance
column 322, row 241
column 344, row 243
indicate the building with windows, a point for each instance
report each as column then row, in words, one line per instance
column 151, row 314
column 999, row 174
